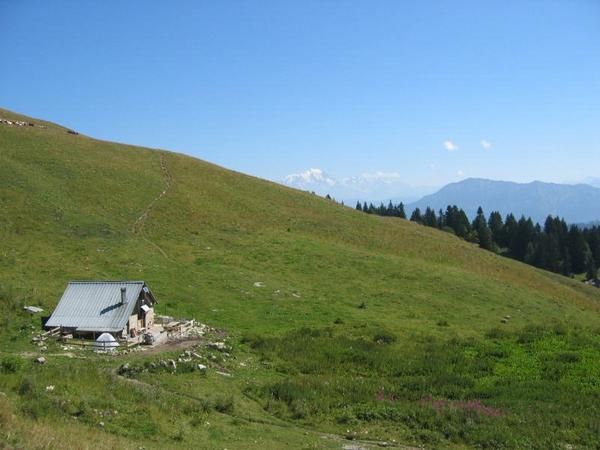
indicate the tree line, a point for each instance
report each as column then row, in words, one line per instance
column 556, row 246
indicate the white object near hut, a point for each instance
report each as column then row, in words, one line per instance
column 105, row 343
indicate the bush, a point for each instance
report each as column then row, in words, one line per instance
column 26, row 388
column 384, row 337
column 346, row 418
column 224, row 405
column 299, row 409
column 11, row 364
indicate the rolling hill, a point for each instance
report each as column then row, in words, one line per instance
column 578, row 203
column 362, row 328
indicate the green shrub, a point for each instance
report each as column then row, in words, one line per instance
column 299, row 409
column 27, row 387
column 11, row 364
column 384, row 337
column 224, row 405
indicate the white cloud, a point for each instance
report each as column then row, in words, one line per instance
column 485, row 144
column 460, row 172
column 368, row 186
column 310, row 177
column 450, row 146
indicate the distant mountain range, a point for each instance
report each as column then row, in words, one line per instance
column 576, row 203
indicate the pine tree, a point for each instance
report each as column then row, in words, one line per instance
column 416, row 216
column 486, row 240
column 496, row 226
column 401, row 212
column 523, row 235
column 591, row 269
column 593, row 240
column 530, row 253
column 462, row 224
column 483, row 235
column 441, row 219
column 429, row 219
column 358, row 206
column 390, row 209
column 578, row 249
column 508, row 232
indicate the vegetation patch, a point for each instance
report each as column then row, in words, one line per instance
column 442, row 390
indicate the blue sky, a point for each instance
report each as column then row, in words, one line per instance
column 275, row 87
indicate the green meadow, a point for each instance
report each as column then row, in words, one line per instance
column 345, row 328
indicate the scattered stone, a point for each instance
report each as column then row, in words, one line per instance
column 49, row 388
column 101, row 424
column 15, row 123
column 40, row 360
column 259, row 284
column 295, row 295
column 224, row 374
column 504, row 321
column 218, row 345
column 124, row 368
column 202, row 367
column 33, row 309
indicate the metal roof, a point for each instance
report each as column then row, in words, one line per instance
column 96, row 305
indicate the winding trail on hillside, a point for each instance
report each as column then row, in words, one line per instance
column 138, row 226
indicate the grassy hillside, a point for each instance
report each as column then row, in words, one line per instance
column 360, row 324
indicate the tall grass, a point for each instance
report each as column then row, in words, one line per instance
column 538, row 387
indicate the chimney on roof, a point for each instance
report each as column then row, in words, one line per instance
column 123, row 295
